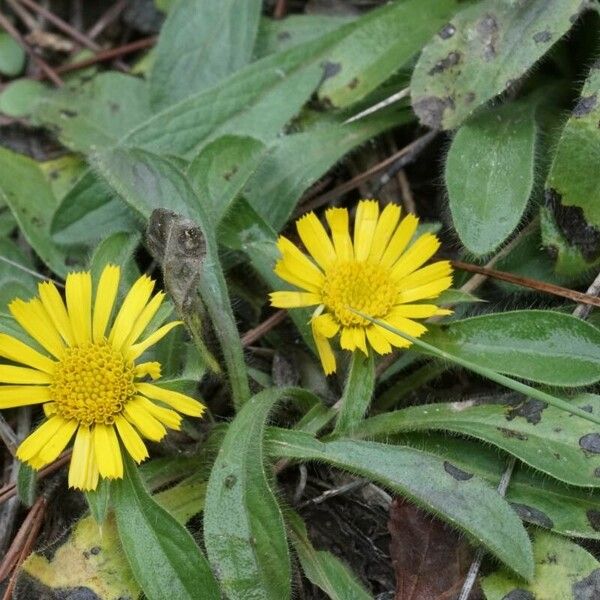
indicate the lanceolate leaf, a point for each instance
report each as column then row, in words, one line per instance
column 163, row 556
column 200, row 43
column 453, row 495
column 243, row 525
column 494, row 147
column 538, row 499
column 145, row 181
column 543, row 346
column 481, row 52
column 573, row 199
column 562, row 445
column 562, row 570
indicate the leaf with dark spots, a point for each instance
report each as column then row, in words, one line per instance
column 330, row 69
column 591, row 443
column 531, row 410
column 447, row 31
column 542, row 36
column 430, row 559
column 498, row 41
column 446, row 63
column 593, row 516
column 457, row 473
column 563, row 571
column 431, row 110
column 597, row 472
column 585, row 105
column 587, row 588
column 511, row 433
column 533, row 515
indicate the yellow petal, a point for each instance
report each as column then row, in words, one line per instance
column 130, row 310
column 338, row 220
column 108, row 452
column 108, row 287
column 180, row 402
column 378, row 341
column 34, row 442
column 138, row 349
column 145, row 423
column 55, row 307
column 131, row 440
column 23, row 375
column 144, row 319
column 360, row 340
column 315, row 239
column 325, row 352
column 166, row 416
column 383, row 232
column 83, row 470
column 416, row 311
column 325, row 325
column 34, row 319
column 297, row 262
column 17, row 351
column 49, row 408
column 294, row 299
column 413, row 328
column 427, row 274
column 394, row 339
column 400, row 240
column 12, row 396
column 347, row 339
column 58, row 442
column 283, row 271
column 78, row 292
column 418, row 254
column 430, row 290
column 365, row 223
column 148, row 368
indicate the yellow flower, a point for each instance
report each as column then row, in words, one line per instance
column 379, row 273
column 88, row 380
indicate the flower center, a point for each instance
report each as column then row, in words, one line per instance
column 361, row 285
column 92, row 383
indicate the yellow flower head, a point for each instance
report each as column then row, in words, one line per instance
column 379, row 273
column 87, row 379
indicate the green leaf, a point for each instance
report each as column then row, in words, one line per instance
column 201, row 43
column 12, row 55
column 546, row 438
column 29, row 196
column 568, row 510
column 562, row 570
column 295, row 162
column 145, row 181
column 117, row 249
column 388, row 38
column 277, row 35
column 221, row 169
column 459, row 498
column 163, row 556
column 490, row 174
column 539, row 345
column 89, row 212
column 96, row 113
column 19, row 98
column 322, row 568
column 98, row 501
column 481, row 52
column 15, row 282
column 26, row 484
column 572, row 188
column 358, row 391
column 243, row 525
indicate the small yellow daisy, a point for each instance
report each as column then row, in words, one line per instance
column 379, row 273
column 88, row 380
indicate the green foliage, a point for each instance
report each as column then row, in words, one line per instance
column 12, row 55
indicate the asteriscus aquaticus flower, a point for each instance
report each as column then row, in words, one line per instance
column 378, row 272
column 86, row 375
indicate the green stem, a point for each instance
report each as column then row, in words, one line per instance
column 512, row 384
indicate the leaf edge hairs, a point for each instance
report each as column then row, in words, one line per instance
column 379, row 272
column 87, row 380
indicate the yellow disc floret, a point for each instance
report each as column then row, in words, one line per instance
column 92, row 383
column 361, row 285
